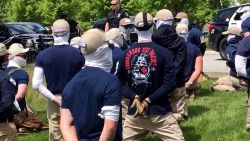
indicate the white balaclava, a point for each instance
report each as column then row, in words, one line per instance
column 117, row 42
column 162, row 22
column 144, row 35
column 245, row 15
column 184, row 21
column 101, row 58
column 18, row 62
column 61, row 32
column 126, row 32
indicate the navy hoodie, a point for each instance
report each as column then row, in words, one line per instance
column 168, row 38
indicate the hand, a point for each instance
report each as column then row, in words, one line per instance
column 188, row 84
column 136, row 104
column 58, row 99
column 144, row 107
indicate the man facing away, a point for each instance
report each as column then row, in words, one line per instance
column 58, row 64
column 91, row 100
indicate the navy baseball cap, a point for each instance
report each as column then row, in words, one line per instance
column 245, row 25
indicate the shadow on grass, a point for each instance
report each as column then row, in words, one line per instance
column 205, row 92
column 190, row 134
column 196, row 110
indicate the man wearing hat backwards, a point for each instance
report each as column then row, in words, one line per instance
column 194, row 63
column 195, row 35
column 242, row 62
column 91, row 100
column 166, row 37
column 146, row 73
column 8, row 130
column 232, row 81
column 3, row 56
column 58, row 64
column 126, row 27
column 115, row 15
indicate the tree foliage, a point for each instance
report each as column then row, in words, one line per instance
column 86, row 11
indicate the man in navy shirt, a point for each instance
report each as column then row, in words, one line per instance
column 7, row 97
column 58, row 64
column 242, row 62
column 146, row 72
column 194, row 63
column 166, row 37
column 91, row 100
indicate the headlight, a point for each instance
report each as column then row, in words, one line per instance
column 29, row 43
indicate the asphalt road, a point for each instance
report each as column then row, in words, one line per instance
column 213, row 65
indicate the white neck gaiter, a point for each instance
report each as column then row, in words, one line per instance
column 125, row 32
column 101, row 58
column 118, row 41
column 184, row 21
column 61, row 40
column 160, row 22
column 17, row 62
column 145, row 35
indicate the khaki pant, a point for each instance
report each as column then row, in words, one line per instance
column 164, row 126
column 8, row 132
column 178, row 102
column 53, row 115
column 193, row 90
column 227, row 83
column 124, row 104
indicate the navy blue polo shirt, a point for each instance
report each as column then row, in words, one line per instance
column 21, row 77
column 147, row 70
column 116, row 54
column 192, row 52
column 60, row 63
column 85, row 95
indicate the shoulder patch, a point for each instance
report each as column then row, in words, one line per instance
column 12, row 81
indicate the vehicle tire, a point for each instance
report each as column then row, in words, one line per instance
column 222, row 47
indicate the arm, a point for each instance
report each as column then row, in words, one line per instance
column 197, row 69
column 37, row 83
column 21, row 91
column 106, row 27
column 240, row 65
column 7, row 95
column 68, row 130
column 180, row 60
column 109, row 130
column 169, row 80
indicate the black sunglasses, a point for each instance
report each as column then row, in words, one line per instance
column 114, row 4
column 129, row 26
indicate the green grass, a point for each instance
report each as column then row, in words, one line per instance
column 213, row 116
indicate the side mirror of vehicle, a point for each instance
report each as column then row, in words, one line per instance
column 227, row 19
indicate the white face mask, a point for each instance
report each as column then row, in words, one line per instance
column 184, row 21
column 183, row 35
column 126, row 32
column 61, row 40
column 118, row 41
column 229, row 37
column 17, row 62
column 160, row 22
column 101, row 58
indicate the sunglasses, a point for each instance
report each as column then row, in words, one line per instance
column 114, row 4
column 177, row 20
column 129, row 26
column 22, row 55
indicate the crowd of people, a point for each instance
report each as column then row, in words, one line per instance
column 102, row 86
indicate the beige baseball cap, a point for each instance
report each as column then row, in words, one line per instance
column 125, row 21
column 3, row 49
column 181, row 15
column 60, row 26
column 139, row 19
column 94, row 38
column 112, row 34
column 244, row 9
column 164, row 14
column 16, row 49
column 181, row 28
column 232, row 30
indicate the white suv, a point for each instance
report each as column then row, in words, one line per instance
column 235, row 19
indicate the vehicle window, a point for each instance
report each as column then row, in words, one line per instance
column 3, row 30
column 237, row 16
column 222, row 15
column 24, row 28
